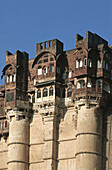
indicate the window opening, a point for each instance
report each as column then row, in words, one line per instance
column 99, row 63
column 84, row 61
column 69, row 92
column 41, row 45
column 80, row 63
column 77, row 63
column 70, row 74
column 45, row 70
column 50, row 43
column 39, row 93
column 39, row 71
column 45, row 92
column 52, row 68
column 33, row 99
column 51, row 91
column 40, row 61
column 89, row 62
column 46, row 60
column 45, row 44
column 51, row 59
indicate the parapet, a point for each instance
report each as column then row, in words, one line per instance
column 54, row 46
column 90, row 41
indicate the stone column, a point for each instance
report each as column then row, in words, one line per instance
column 50, row 142
column 89, row 138
column 18, row 146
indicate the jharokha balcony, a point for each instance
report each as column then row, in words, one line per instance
column 91, row 92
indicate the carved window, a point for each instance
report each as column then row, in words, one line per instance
column 70, row 74
column 51, row 68
column 10, row 97
column 84, row 61
column 39, row 71
column 45, row 92
column 5, row 125
column 13, row 78
column 80, row 84
column 40, row 61
column 33, row 99
column 89, row 62
column 45, row 70
column 51, row 91
column 77, row 64
column 46, row 60
column 50, row 43
column 80, row 63
column 7, row 78
column 51, row 59
column 41, row 45
column 39, row 93
column 99, row 64
column 69, row 92
column 10, row 78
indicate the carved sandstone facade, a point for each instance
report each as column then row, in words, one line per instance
column 55, row 109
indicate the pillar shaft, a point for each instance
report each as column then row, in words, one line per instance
column 18, row 146
column 89, row 139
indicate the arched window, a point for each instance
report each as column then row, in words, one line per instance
column 80, row 63
column 51, row 68
column 39, row 71
column 85, row 61
column 45, row 92
column 89, row 62
column 7, row 78
column 99, row 63
column 39, row 93
column 80, row 84
column 45, row 70
column 13, row 78
column 69, row 92
column 51, row 91
column 70, row 74
column 77, row 63
column 33, row 99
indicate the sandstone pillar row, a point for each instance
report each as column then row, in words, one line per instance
column 18, row 146
column 89, row 138
column 50, row 143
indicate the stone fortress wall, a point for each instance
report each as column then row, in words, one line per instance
column 55, row 109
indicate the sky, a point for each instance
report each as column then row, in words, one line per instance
column 23, row 23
